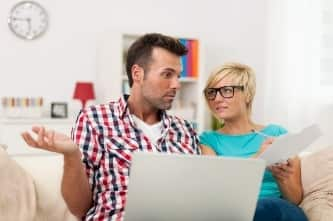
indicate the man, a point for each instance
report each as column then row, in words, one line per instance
column 106, row 135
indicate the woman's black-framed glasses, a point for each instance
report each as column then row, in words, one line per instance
column 225, row 91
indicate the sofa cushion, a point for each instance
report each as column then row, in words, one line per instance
column 18, row 196
column 317, row 180
column 46, row 171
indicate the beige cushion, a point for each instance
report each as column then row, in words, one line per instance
column 317, row 180
column 18, row 195
column 46, row 171
column 30, row 188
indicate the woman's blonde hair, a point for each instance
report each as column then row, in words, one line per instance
column 241, row 75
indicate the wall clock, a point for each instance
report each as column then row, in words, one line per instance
column 28, row 20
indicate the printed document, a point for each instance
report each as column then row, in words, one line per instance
column 291, row 144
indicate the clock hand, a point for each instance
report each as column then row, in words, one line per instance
column 29, row 25
column 20, row 19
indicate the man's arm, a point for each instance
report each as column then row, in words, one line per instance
column 75, row 187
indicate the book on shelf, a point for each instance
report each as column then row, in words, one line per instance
column 190, row 61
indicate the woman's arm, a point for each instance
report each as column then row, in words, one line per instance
column 206, row 150
column 288, row 176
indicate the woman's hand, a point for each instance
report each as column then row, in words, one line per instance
column 288, row 176
column 50, row 140
column 263, row 147
column 206, row 150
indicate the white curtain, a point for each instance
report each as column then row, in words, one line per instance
column 298, row 84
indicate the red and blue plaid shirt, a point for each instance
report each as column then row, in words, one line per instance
column 107, row 136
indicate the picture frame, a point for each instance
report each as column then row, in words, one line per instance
column 59, row 110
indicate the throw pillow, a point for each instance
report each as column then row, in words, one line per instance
column 317, row 180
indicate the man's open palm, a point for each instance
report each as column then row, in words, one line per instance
column 50, row 140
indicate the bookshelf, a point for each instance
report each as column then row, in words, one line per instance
column 112, row 80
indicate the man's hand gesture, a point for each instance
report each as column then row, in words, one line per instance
column 50, row 140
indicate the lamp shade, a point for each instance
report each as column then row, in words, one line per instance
column 84, row 91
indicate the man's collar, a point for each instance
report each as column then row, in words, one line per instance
column 123, row 106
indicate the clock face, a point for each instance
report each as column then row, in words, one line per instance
column 28, row 20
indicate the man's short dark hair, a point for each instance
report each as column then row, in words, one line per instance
column 141, row 50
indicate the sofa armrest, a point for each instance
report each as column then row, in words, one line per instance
column 317, row 180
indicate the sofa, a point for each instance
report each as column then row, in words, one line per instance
column 30, row 187
column 317, row 181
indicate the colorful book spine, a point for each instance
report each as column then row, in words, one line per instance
column 189, row 59
column 190, row 62
column 184, row 59
column 195, row 58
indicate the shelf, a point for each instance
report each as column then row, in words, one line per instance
column 12, row 128
column 36, row 121
column 188, row 79
column 112, row 55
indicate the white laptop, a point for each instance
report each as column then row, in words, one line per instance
column 172, row 187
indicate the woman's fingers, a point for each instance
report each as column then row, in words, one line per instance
column 294, row 162
column 269, row 141
column 265, row 144
column 282, row 171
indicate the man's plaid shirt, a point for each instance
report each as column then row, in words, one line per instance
column 107, row 137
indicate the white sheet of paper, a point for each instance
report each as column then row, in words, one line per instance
column 290, row 145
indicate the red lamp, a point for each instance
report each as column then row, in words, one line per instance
column 84, row 91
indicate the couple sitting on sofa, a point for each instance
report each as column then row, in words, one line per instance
column 97, row 163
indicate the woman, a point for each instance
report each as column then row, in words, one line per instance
column 229, row 93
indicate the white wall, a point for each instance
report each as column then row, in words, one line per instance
column 295, row 96
column 49, row 66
